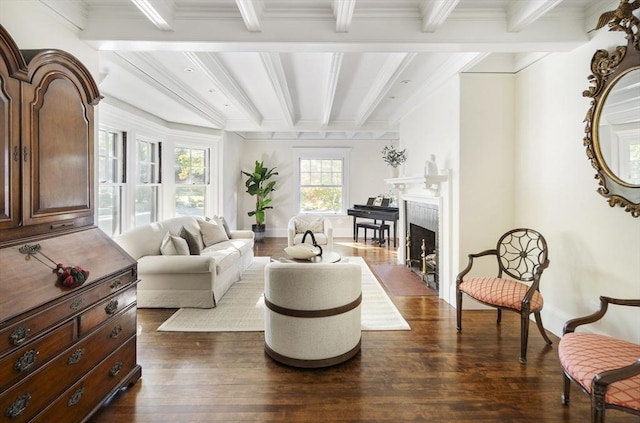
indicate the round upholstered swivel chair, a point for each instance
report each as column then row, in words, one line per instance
column 313, row 315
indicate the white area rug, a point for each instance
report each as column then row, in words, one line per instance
column 242, row 307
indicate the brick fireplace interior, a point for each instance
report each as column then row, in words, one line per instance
column 422, row 226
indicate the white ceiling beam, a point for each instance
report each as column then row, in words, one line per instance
column 330, row 89
column 278, row 79
column 159, row 12
column 251, row 12
column 387, row 76
column 210, row 66
column 153, row 73
column 521, row 14
column 435, row 12
column 343, row 11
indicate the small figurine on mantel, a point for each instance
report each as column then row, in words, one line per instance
column 430, row 166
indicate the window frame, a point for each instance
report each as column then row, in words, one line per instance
column 120, row 180
column 207, row 175
column 326, row 153
column 155, row 182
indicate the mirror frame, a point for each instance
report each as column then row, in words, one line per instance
column 607, row 69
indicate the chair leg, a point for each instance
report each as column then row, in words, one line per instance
column 597, row 405
column 566, row 389
column 459, row 310
column 524, row 337
column 499, row 319
column 541, row 328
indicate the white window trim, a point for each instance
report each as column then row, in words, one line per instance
column 335, row 153
column 209, row 192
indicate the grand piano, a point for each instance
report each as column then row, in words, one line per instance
column 377, row 213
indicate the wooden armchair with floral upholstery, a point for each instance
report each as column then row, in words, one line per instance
column 605, row 368
column 522, row 256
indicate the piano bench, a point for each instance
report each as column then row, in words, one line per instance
column 378, row 230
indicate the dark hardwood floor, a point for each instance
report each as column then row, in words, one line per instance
column 430, row 373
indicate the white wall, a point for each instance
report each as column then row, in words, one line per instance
column 21, row 19
column 232, row 186
column 487, row 167
column 367, row 174
column 594, row 249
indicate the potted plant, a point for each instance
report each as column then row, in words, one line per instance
column 258, row 184
column 394, row 158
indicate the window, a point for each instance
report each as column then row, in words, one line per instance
column 111, row 174
column 148, row 155
column 322, row 174
column 191, row 179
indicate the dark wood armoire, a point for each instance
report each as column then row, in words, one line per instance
column 64, row 351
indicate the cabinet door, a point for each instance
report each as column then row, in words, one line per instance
column 57, row 138
column 9, row 138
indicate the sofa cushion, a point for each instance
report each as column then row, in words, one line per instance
column 192, row 241
column 212, row 233
column 321, row 239
column 224, row 258
column 243, row 245
column 174, row 245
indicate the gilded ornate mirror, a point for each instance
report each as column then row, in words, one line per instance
column 613, row 121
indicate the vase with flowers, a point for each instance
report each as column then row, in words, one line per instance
column 394, row 158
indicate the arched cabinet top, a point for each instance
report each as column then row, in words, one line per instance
column 39, row 61
column 11, row 55
column 25, row 65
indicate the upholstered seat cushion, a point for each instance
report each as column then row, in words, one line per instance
column 583, row 355
column 501, row 292
column 321, row 239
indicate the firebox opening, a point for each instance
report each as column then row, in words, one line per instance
column 424, row 262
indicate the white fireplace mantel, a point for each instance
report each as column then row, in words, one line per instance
column 430, row 182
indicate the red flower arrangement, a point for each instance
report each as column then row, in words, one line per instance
column 68, row 276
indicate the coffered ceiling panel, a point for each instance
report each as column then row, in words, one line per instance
column 312, row 69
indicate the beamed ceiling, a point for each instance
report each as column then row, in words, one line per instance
column 312, row 69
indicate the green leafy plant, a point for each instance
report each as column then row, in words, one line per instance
column 393, row 157
column 259, row 185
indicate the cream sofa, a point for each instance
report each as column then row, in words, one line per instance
column 185, row 280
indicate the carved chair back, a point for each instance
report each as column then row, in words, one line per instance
column 520, row 252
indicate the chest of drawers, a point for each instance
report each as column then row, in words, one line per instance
column 66, row 351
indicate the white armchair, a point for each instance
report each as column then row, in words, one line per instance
column 319, row 225
column 313, row 313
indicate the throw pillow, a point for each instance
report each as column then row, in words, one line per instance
column 314, row 224
column 173, row 245
column 212, row 233
column 223, row 222
column 192, row 241
column 225, row 225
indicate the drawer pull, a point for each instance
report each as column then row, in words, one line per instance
column 115, row 332
column 18, row 406
column 115, row 369
column 75, row 398
column 116, row 284
column 16, row 154
column 63, row 225
column 76, row 356
column 18, row 336
column 112, row 307
column 26, row 361
column 76, row 304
